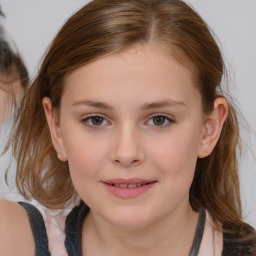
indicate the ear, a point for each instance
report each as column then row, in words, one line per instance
column 54, row 126
column 212, row 127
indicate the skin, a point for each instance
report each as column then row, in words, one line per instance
column 129, row 144
column 15, row 233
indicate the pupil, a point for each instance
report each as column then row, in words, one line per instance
column 159, row 120
column 97, row 120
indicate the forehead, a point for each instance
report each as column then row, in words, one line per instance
column 141, row 69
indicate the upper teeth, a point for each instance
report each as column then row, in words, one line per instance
column 128, row 185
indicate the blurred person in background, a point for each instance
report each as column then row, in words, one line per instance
column 13, row 80
column 13, row 73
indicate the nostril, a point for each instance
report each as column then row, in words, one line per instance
column 127, row 162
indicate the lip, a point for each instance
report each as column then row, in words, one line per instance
column 142, row 186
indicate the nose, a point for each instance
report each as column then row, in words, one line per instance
column 126, row 149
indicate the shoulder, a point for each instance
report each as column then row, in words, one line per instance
column 239, row 240
column 15, row 233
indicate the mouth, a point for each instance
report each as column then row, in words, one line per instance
column 128, row 188
column 123, row 185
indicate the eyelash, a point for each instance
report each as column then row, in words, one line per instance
column 93, row 126
column 166, row 117
column 86, row 120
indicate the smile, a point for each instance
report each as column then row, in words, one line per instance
column 129, row 185
column 127, row 189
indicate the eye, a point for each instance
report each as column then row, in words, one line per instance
column 160, row 120
column 94, row 121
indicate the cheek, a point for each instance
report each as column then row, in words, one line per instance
column 176, row 157
column 175, row 160
column 85, row 155
column 85, row 161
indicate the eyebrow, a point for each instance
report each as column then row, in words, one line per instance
column 95, row 104
column 146, row 106
column 161, row 104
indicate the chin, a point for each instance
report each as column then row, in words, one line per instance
column 130, row 218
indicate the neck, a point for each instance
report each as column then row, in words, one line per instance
column 171, row 235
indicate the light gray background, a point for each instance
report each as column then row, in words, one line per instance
column 33, row 23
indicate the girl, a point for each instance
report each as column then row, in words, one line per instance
column 128, row 115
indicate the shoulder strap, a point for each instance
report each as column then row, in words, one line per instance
column 38, row 229
column 74, row 222
column 199, row 233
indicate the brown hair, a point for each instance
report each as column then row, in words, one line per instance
column 103, row 27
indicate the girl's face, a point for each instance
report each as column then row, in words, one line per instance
column 131, row 126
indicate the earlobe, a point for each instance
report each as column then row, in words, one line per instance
column 54, row 127
column 212, row 127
